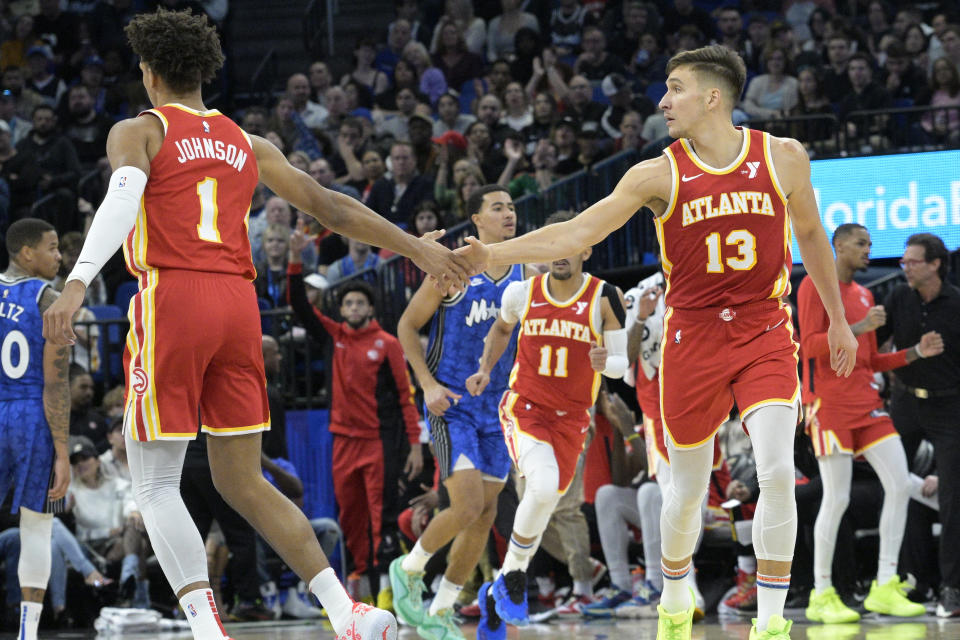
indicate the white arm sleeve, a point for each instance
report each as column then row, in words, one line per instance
column 616, row 344
column 112, row 223
column 513, row 300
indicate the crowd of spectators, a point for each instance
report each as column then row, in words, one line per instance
column 451, row 97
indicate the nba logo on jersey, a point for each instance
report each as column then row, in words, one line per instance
column 677, row 337
column 206, row 127
column 123, row 182
column 193, row 610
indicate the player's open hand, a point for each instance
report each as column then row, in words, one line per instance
column 478, row 382
column 449, row 268
column 931, row 344
column 414, row 464
column 58, row 319
column 598, row 357
column 477, row 255
column 438, row 399
column 843, row 348
column 61, row 477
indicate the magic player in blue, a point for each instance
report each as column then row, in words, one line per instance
column 466, row 432
column 34, row 407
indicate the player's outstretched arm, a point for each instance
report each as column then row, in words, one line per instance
column 56, row 403
column 350, row 217
column 640, row 186
column 421, row 308
column 793, row 165
column 128, row 146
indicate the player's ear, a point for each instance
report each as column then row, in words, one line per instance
column 586, row 253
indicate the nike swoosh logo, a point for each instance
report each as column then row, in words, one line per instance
column 538, row 304
column 686, row 178
column 769, row 328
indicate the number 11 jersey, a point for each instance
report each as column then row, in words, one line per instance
column 194, row 210
column 725, row 235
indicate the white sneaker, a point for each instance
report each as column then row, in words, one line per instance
column 298, row 604
column 370, row 623
column 271, row 598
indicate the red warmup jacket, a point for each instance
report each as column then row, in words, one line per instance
column 370, row 382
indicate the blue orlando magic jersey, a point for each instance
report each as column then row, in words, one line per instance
column 21, row 339
column 458, row 331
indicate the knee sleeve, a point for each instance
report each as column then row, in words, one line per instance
column 775, row 522
column 33, row 568
column 155, row 469
column 681, row 518
column 541, row 492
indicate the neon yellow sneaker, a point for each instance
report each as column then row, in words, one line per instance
column 676, row 626
column 891, row 599
column 826, row 606
column 777, row 629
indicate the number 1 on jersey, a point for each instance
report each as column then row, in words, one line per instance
column 546, row 353
column 207, row 192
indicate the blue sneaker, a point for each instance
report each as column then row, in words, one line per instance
column 604, row 608
column 490, row 627
column 647, row 593
column 510, row 596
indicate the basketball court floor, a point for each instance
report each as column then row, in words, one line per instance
column 871, row 628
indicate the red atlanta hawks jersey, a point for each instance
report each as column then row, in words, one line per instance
column 194, row 210
column 553, row 347
column 725, row 235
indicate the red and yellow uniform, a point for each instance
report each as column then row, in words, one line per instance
column 552, row 385
column 844, row 415
column 725, row 248
column 195, row 338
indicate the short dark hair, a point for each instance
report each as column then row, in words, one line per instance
column 845, row 230
column 180, row 47
column 475, row 201
column 933, row 249
column 42, row 107
column 860, row 55
column 719, row 64
column 76, row 370
column 354, row 286
column 564, row 215
column 26, row 232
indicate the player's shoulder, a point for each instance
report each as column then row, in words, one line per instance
column 788, row 152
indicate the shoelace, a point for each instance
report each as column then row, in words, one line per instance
column 675, row 630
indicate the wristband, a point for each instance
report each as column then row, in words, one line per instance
column 631, row 437
column 919, row 353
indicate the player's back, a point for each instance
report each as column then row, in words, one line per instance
column 21, row 339
column 459, row 328
column 193, row 214
column 553, row 349
column 725, row 235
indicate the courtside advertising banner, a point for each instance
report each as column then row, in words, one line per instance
column 893, row 196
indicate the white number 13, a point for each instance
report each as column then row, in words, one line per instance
column 746, row 249
column 207, row 192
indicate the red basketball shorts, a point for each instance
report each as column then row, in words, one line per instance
column 524, row 422
column 832, row 436
column 194, row 344
column 713, row 357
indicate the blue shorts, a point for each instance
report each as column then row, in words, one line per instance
column 470, row 428
column 26, row 454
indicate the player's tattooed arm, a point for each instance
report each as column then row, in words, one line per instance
column 56, row 392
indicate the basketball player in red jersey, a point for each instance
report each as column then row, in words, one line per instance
column 565, row 315
column 194, row 340
column 846, row 419
column 721, row 196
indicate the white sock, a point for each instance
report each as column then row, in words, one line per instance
column 333, row 597
column 384, row 581
column 446, row 596
column 676, row 589
column 747, row 564
column 545, row 585
column 202, row 614
column 518, row 555
column 29, row 619
column 583, row 588
column 771, row 597
column 416, row 560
